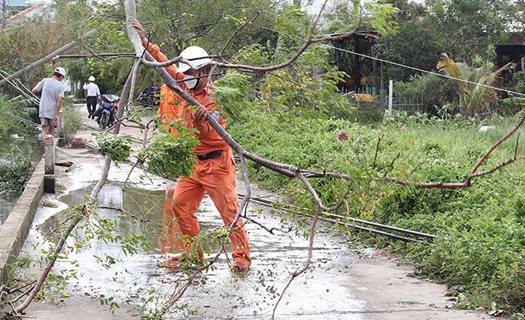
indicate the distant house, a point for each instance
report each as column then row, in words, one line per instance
column 17, row 4
column 25, row 13
column 351, row 56
column 13, row 5
column 8, row 7
column 512, row 50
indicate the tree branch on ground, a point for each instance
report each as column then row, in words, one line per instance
column 286, row 169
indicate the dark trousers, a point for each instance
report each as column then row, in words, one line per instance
column 91, row 104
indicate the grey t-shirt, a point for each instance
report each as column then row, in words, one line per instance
column 51, row 89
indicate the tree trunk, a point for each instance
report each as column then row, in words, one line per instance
column 47, row 58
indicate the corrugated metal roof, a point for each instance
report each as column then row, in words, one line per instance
column 17, row 3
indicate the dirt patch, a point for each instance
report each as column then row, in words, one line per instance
column 393, row 293
column 76, row 307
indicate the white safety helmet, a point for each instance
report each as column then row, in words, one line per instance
column 61, row 71
column 91, row 78
column 192, row 54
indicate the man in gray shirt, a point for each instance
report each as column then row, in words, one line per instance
column 50, row 100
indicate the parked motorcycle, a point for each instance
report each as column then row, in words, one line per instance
column 107, row 110
column 149, row 97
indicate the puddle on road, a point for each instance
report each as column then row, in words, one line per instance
column 323, row 292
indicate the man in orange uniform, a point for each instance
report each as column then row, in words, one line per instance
column 215, row 170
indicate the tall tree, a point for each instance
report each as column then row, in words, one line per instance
column 179, row 24
column 471, row 27
column 416, row 44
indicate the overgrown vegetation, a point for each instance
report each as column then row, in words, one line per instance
column 14, row 175
column 72, row 120
column 479, row 230
column 15, row 165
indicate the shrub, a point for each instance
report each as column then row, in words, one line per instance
column 14, row 175
column 425, row 89
column 72, row 120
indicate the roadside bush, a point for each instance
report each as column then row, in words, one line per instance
column 9, row 111
column 369, row 113
column 14, row 175
column 426, row 89
column 72, row 120
column 519, row 81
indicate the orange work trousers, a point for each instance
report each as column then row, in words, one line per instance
column 217, row 177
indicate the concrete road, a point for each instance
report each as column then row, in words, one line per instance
column 341, row 284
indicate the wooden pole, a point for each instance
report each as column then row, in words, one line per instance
column 60, row 130
column 390, row 96
column 47, row 58
column 49, row 164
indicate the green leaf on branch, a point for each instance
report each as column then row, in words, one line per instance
column 233, row 92
column 170, row 154
column 113, row 146
column 381, row 17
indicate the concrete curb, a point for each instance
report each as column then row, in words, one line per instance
column 14, row 231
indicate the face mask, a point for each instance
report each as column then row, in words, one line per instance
column 191, row 81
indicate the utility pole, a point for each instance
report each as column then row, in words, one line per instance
column 47, row 58
column 390, row 96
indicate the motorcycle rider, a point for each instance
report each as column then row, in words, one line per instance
column 107, row 103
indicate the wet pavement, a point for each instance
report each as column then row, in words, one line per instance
column 339, row 284
column 323, row 292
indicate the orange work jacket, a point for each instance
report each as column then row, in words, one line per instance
column 173, row 107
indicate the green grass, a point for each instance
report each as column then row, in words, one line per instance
column 480, row 230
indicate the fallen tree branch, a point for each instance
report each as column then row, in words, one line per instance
column 474, row 174
column 249, row 68
column 247, row 22
column 270, row 230
column 125, row 212
column 77, row 56
column 495, row 145
column 51, row 263
column 123, row 100
column 376, row 152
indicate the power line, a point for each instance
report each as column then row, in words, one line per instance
column 19, row 129
column 413, row 68
column 425, row 71
column 352, row 222
column 25, row 91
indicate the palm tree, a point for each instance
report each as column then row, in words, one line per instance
column 475, row 93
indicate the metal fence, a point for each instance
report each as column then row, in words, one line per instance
column 411, row 105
